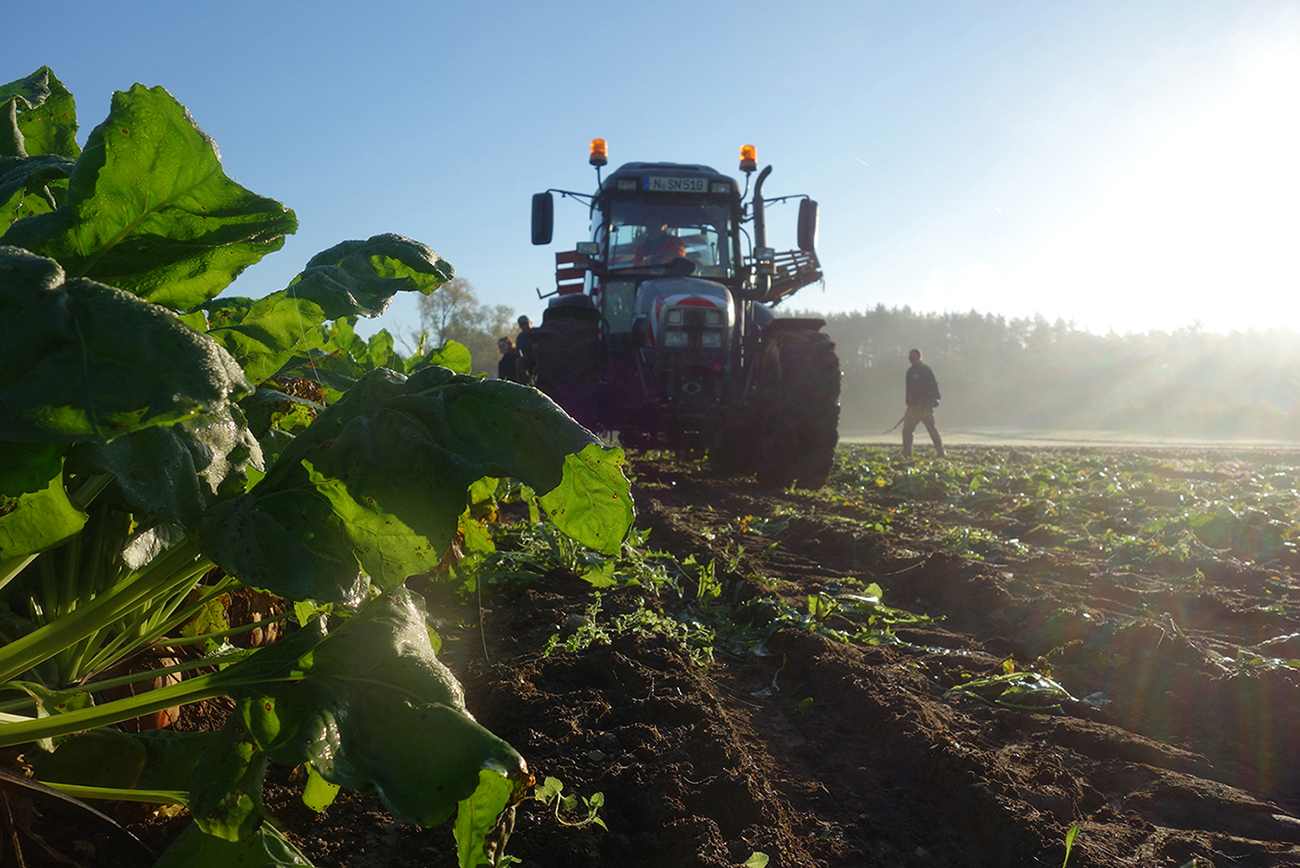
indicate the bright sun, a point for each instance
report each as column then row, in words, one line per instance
column 1204, row 228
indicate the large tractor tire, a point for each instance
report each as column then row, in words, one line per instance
column 802, row 425
column 567, row 347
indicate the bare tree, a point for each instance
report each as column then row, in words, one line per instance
column 454, row 313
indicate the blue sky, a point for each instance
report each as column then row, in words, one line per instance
column 1124, row 165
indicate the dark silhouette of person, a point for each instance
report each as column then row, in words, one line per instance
column 509, row 367
column 922, row 398
column 526, row 344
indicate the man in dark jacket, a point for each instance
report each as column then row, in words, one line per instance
column 526, row 344
column 922, row 398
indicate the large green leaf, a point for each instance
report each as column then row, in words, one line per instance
column 266, row 847
column 270, row 333
column 345, row 358
column 175, row 472
column 379, row 349
column 83, row 361
column 26, row 468
column 453, row 355
column 150, row 210
column 31, row 185
column 99, row 758
column 355, row 278
column 591, row 504
column 154, row 759
column 334, row 372
column 44, row 113
column 341, row 337
column 363, row 276
column 35, row 513
column 376, row 484
column 477, row 816
column 369, row 705
column 226, row 789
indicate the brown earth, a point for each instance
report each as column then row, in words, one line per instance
column 820, row 753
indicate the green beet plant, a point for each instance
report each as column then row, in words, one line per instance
column 153, row 456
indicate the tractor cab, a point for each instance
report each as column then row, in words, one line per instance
column 656, row 221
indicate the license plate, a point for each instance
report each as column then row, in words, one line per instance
column 661, row 184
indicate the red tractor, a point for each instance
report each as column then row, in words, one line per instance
column 662, row 327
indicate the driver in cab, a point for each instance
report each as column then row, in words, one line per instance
column 658, row 247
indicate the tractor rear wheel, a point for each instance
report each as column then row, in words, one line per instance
column 803, row 426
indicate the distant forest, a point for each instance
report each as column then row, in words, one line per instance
column 1033, row 373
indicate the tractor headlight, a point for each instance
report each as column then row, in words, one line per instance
column 711, row 340
column 675, row 338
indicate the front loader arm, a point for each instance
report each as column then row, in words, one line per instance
column 795, row 269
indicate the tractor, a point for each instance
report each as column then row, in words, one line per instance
column 662, row 328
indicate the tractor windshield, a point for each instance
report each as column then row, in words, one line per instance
column 639, row 233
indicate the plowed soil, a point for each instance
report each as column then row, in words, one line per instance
column 815, row 752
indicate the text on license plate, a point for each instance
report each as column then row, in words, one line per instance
column 660, row 184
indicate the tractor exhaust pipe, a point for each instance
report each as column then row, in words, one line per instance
column 764, row 266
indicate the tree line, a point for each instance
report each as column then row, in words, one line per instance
column 455, row 313
column 1004, row 372
column 1035, row 373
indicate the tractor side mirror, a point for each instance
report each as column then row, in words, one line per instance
column 807, row 225
column 543, row 218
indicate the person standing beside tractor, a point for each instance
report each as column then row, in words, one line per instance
column 508, row 368
column 922, row 398
column 526, row 345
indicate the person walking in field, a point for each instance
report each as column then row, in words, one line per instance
column 922, row 398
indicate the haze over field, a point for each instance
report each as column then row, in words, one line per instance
column 1033, row 374
column 1125, row 166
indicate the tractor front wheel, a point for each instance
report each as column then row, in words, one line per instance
column 801, row 432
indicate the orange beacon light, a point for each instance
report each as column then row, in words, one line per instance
column 748, row 158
